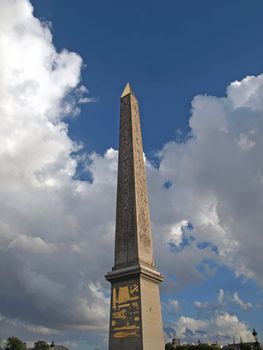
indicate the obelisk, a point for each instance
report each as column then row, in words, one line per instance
column 135, row 313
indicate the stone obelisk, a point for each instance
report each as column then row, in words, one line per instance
column 135, row 314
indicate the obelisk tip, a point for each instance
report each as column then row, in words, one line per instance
column 127, row 90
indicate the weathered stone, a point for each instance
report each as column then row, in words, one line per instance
column 135, row 318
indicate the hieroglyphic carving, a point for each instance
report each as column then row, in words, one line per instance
column 125, row 320
column 142, row 207
column 125, row 216
column 133, row 232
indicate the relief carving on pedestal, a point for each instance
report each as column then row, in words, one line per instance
column 125, row 320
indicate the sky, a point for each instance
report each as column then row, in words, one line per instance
column 196, row 69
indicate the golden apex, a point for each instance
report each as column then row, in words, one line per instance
column 127, row 90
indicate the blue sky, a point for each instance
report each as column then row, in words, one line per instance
column 169, row 51
column 196, row 69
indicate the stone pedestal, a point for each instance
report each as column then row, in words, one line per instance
column 136, row 319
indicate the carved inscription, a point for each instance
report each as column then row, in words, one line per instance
column 133, row 232
column 125, row 319
column 142, row 207
column 125, row 216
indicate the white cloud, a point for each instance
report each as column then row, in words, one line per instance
column 237, row 300
column 221, row 328
column 175, row 304
column 206, row 306
column 177, row 232
column 201, row 305
column 50, row 224
column 224, row 302
column 216, row 178
column 221, row 296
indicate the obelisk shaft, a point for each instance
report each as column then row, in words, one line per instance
column 135, row 314
column 133, row 243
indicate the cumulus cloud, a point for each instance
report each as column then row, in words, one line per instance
column 50, row 228
column 212, row 324
column 216, row 177
column 221, row 328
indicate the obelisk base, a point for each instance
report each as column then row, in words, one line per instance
column 136, row 319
